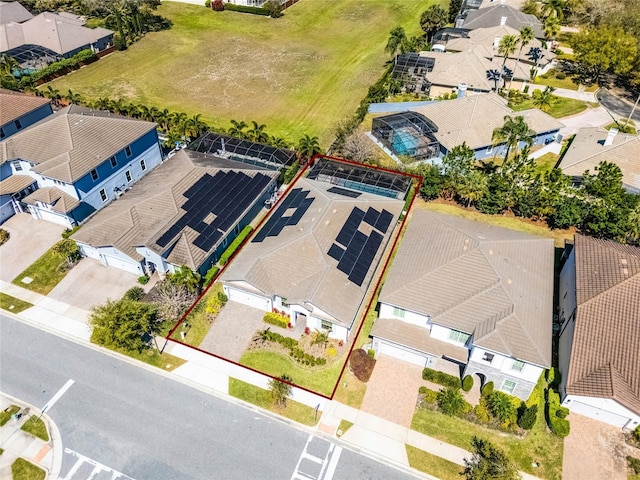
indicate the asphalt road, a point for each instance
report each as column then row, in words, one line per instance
column 617, row 105
column 147, row 426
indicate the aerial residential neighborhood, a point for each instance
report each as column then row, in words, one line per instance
column 319, row 240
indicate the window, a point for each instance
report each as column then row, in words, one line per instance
column 517, row 365
column 458, row 337
column 127, row 174
column 398, row 312
column 17, row 124
column 17, row 166
column 326, row 325
column 114, row 161
column 143, row 165
column 94, row 175
column 103, row 195
column 490, row 149
column 236, row 230
column 2, row 134
column 127, row 150
column 488, row 357
column 508, row 386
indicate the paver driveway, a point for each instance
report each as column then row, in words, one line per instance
column 392, row 390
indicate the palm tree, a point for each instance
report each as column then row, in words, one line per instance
column 512, row 132
column 544, row 99
column 237, row 128
column 103, row 104
column 494, row 76
column 8, row 65
column 278, row 142
column 551, row 28
column 525, row 38
column 256, row 133
column 432, row 19
column 53, row 94
column 506, row 48
column 535, row 55
column 308, row 147
column 73, row 98
column 176, row 121
column 554, row 9
column 397, row 42
column 195, row 127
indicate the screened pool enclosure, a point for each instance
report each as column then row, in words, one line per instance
column 407, row 133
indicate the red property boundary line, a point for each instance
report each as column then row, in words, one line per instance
column 309, row 164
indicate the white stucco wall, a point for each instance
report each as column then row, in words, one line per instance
column 112, row 257
column 387, row 311
column 503, row 364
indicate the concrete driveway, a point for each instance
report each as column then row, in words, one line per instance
column 593, row 450
column 29, row 239
column 90, row 283
column 591, row 117
column 392, row 390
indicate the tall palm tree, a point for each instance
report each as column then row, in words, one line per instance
column 194, row 126
column 535, row 55
column 511, row 133
column 308, row 147
column 525, row 38
column 52, row 94
column 103, row 104
column 554, row 8
column 544, row 99
column 494, row 76
column 237, row 129
column 433, row 19
column 73, row 98
column 8, row 65
column 506, row 48
column 551, row 28
column 256, row 133
column 398, row 42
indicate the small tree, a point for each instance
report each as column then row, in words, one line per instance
column 450, row 401
column 274, row 7
column 527, row 416
column 125, row 324
column 467, row 383
column 217, row 5
column 280, row 390
column 291, row 171
column 501, row 406
column 67, row 249
column 489, row 463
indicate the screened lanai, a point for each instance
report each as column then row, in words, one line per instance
column 407, row 133
column 411, row 69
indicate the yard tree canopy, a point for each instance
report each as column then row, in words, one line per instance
column 489, row 463
column 124, row 324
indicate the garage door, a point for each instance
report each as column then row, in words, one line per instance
column 246, row 298
column 598, row 414
column 53, row 218
column 402, row 354
column 122, row 264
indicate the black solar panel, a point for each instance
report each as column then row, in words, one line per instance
column 336, row 252
column 367, row 254
column 384, row 220
column 297, row 199
column 371, row 216
column 345, row 192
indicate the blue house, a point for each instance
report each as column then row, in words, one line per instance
column 80, row 160
column 429, row 132
column 19, row 110
column 184, row 213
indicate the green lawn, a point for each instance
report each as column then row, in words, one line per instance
column 36, row 427
column 21, row 469
column 546, row 162
column 12, row 304
column 562, row 107
column 46, row 273
column 432, row 464
column 165, row 361
column 5, row 415
column 297, row 74
column 537, row 446
column 256, row 395
column 198, row 323
column 319, row 379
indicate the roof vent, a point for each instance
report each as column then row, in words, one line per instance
column 610, row 136
column 503, row 21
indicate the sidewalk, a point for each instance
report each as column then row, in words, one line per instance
column 379, row 438
column 16, row 443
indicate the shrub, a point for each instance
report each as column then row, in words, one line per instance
column 467, row 383
column 245, row 9
column 371, row 352
column 215, row 303
column 527, row 417
column 559, row 426
column 276, row 319
column 561, row 75
column 217, row 5
column 290, row 172
column 143, row 280
column 482, row 412
column 4, row 236
column 450, row 401
column 562, row 412
column 361, row 364
column 553, row 376
column 134, row 293
column 634, row 464
column 70, row 231
column 501, row 406
column 331, row 351
column 422, row 390
column 430, row 397
column 636, row 434
column 274, row 7
column 441, row 378
column 207, row 3
column 487, row 389
column 228, row 253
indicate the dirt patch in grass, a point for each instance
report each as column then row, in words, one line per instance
column 12, row 304
column 24, row 470
column 432, row 464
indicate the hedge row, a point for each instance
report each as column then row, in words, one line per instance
column 276, row 319
column 556, row 415
column 441, row 378
column 228, row 253
column 245, row 9
column 68, row 64
column 296, row 352
column 430, row 396
column 210, row 275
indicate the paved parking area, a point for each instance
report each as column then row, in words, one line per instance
column 232, row 330
column 593, row 450
column 90, row 283
column 392, row 390
column 29, row 239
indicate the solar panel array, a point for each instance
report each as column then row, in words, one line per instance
column 298, row 200
column 354, row 250
column 223, row 196
column 345, row 192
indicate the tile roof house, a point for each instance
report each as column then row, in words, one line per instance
column 185, row 212
column 48, row 37
column 498, row 15
column 593, row 145
column 13, row 12
column 19, row 110
column 317, row 254
column 473, row 118
column 599, row 317
column 80, row 154
column 470, row 298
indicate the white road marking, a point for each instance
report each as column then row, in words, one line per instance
column 97, row 467
column 335, row 458
column 328, row 464
column 57, row 396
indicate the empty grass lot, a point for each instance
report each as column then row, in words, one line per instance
column 297, row 74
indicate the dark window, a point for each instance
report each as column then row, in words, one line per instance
column 94, row 174
column 17, row 124
column 127, row 151
column 488, row 357
column 17, row 166
column 143, row 165
column 128, row 175
column 114, row 161
column 2, row 134
column 103, row 195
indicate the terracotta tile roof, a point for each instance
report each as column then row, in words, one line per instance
column 60, row 201
column 494, row 283
column 72, row 142
column 15, row 184
column 14, row 105
column 605, row 354
column 587, row 150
